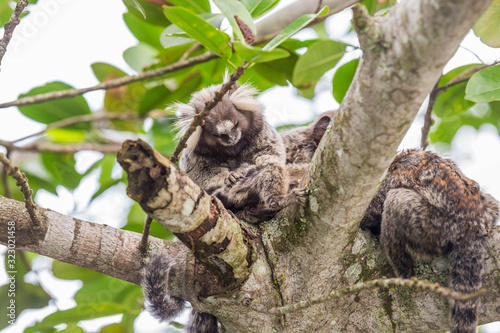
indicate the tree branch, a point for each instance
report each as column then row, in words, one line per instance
column 10, row 26
column 110, row 84
column 200, row 221
column 404, row 53
column 57, row 148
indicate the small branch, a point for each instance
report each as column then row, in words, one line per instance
column 428, row 121
column 22, row 182
column 380, row 283
column 5, row 179
column 111, row 83
column 82, row 119
column 10, row 26
column 56, row 148
column 465, row 76
column 143, row 246
column 209, row 105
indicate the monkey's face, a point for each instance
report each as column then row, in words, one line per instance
column 224, row 125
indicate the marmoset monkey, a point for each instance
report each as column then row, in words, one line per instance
column 236, row 156
column 426, row 207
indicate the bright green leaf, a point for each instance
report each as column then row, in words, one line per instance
column 196, row 6
column 342, row 79
column 254, row 54
column 293, row 27
column 56, row 110
column 484, row 86
column 173, row 35
column 488, row 25
column 259, row 7
column 62, row 168
column 232, row 8
column 213, row 39
column 66, row 135
column 137, row 5
column 319, row 58
column 154, row 13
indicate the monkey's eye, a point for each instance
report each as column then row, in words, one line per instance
column 235, row 125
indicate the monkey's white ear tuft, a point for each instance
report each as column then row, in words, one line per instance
column 243, row 98
column 186, row 114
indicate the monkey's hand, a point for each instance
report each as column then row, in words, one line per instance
column 297, row 195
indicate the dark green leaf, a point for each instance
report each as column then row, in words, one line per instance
column 293, row 27
column 319, row 58
column 56, row 110
column 342, row 79
column 232, row 8
column 154, row 13
column 279, row 71
column 484, row 86
column 143, row 31
column 487, row 27
column 213, row 39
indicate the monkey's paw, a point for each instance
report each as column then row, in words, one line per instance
column 233, row 178
column 301, row 196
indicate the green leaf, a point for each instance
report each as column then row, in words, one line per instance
column 56, row 110
column 232, row 8
column 121, row 99
column 258, row 7
column 488, row 26
column 105, row 178
column 484, row 86
column 342, row 79
column 278, row 71
column 319, row 58
column 293, row 27
column 144, row 31
column 254, row 54
column 66, row 135
column 173, row 35
column 137, row 5
column 164, row 135
column 451, row 102
column 196, row 6
column 62, row 168
column 140, row 56
column 213, row 39
column 153, row 10
column 136, row 219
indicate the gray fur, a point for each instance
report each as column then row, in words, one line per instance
column 237, row 156
column 426, row 207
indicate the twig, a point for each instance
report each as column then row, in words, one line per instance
column 82, row 119
column 381, row 283
column 56, row 148
column 10, row 26
column 209, row 105
column 143, row 246
column 111, row 83
column 465, row 76
column 190, row 50
column 428, row 121
column 22, row 182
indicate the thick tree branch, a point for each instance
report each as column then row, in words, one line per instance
column 200, row 221
column 404, row 53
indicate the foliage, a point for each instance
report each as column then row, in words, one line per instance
column 186, row 29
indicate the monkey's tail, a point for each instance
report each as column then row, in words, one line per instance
column 160, row 305
column 467, row 261
column 200, row 322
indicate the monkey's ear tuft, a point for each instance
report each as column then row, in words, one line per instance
column 243, row 98
column 186, row 114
